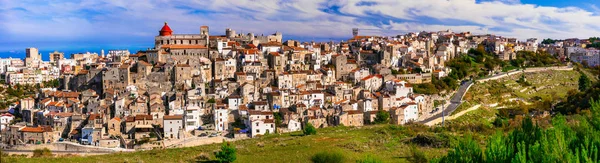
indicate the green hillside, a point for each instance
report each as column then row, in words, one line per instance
column 386, row 142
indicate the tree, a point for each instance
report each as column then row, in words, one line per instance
column 417, row 70
column 309, row 129
column 212, row 101
column 382, row 117
column 584, row 82
column 227, row 153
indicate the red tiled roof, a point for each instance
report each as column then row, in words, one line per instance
column 38, row 129
column 173, row 117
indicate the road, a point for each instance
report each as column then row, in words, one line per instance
column 454, row 102
column 457, row 98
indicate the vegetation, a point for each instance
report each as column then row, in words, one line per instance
column 45, row 152
column 533, row 59
column 328, row 157
column 574, row 141
column 548, row 41
column 369, row 159
column 309, row 129
column 584, row 82
column 212, row 101
column 51, row 83
column 227, row 153
column 382, row 117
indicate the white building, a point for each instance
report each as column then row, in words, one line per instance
column 221, row 117
column 193, row 117
column 294, row 125
column 173, row 126
column 262, row 127
column 234, row 101
column 411, row 112
column 5, row 120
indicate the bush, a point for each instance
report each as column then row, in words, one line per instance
column 45, row 152
column 417, row 155
column 309, row 129
column 369, row 159
column 328, row 157
column 227, row 153
column 382, row 117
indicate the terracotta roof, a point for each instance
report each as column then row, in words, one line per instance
column 371, row 76
column 141, row 117
column 117, row 118
column 64, row 114
column 259, row 103
column 314, row 108
column 38, row 129
column 173, row 117
column 94, row 116
column 129, row 119
column 274, row 53
column 269, row 120
column 354, row 112
column 272, row 43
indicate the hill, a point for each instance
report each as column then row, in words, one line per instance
column 387, row 142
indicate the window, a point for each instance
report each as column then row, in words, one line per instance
column 256, row 123
column 257, row 130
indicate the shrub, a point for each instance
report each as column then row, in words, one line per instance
column 45, row 152
column 309, row 129
column 417, row 155
column 227, row 153
column 369, row 159
column 382, row 117
column 328, row 157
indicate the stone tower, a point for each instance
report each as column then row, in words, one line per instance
column 354, row 32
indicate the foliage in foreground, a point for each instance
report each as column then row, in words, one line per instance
column 369, row 159
column 227, row 153
column 42, row 153
column 566, row 141
column 328, row 157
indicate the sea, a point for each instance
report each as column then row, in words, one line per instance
column 18, row 51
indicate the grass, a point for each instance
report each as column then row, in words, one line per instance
column 550, row 85
column 390, row 143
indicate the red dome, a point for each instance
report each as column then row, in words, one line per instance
column 165, row 30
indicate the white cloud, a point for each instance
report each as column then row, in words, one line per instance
column 88, row 19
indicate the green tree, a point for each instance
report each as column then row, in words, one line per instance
column 309, row 129
column 212, row 101
column 227, row 153
column 584, row 82
column 467, row 151
column 382, row 117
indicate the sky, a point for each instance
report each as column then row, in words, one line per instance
column 90, row 25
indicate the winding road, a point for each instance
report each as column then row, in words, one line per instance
column 457, row 98
column 454, row 102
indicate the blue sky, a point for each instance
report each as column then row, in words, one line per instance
column 95, row 24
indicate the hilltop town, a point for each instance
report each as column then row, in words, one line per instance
column 191, row 87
